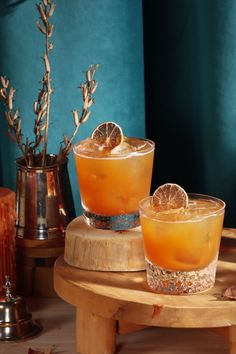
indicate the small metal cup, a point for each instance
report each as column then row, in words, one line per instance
column 15, row 319
column 44, row 201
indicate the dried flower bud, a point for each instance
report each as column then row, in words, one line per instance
column 5, row 82
column 94, row 87
column 85, row 117
column 12, row 91
column 36, row 107
column 90, row 102
column 41, row 114
column 85, row 106
column 50, row 46
column 93, row 68
column 88, row 75
column 16, row 115
column 42, row 13
column 36, row 128
column 41, row 28
column 65, row 139
column 52, row 8
column 50, row 30
column 18, row 127
column 9, row 119
column 76, row 118
column 41, row 96
column 43, row 126
column 44, row 107
column 3, row 93
column 46, row 62
column 10, row 98
column 85, row 91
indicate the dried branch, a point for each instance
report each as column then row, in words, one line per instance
column 41, row 126
column 12, row 116
column 38, row 148
column 88, row 88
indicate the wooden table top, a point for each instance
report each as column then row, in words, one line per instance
column 58, row 334
column 125, row 296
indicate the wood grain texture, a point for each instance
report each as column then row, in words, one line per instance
column 58, row 321
column 104, row 250
column 101, row 336
column 125, row 296
column 40, row 248
column 232, row 340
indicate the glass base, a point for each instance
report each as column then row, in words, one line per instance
column 116, row 222
column 175, row 282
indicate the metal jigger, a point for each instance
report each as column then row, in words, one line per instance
column 15, row 319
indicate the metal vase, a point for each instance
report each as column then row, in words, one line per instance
column 44, row 201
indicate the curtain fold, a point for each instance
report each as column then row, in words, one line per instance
column 190, row 87
column 190, row 82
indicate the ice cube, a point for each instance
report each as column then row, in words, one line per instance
column 137, row 144
column 86, row 145
column 123, row 148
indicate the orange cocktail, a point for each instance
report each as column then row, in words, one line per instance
column 113, row 181
column 181, row 246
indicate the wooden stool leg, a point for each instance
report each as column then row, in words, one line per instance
column 94, row 334
column 232, row 340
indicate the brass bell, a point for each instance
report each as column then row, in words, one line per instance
column 15, row 319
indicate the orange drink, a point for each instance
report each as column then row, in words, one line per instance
column 112, row 180
column 181, row 244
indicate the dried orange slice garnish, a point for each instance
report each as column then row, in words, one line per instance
column 108, row 134
column 169, row 197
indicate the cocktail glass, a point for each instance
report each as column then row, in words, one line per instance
column 181, row 246
column 112, row 182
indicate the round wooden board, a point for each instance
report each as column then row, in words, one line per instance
column 104, row 250
column 126, row 296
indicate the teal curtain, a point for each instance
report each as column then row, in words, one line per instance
column 189, row 62
column 190, row 76
column 86, row 31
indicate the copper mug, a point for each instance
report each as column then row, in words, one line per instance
column 44, row 201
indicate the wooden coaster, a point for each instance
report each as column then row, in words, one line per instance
column 105, row 250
